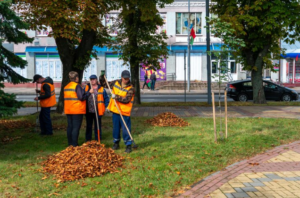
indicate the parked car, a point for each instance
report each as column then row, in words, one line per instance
column 242, row 91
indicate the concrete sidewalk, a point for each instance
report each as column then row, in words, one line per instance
column 292, row 112
column 275, row 173
column 31, row 91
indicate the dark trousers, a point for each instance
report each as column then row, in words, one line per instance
column 152, row 84
column 145, row 83
column 45, row 121
column 90, row 118
column 117, row 125
column 74, row 124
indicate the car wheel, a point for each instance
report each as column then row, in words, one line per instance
column 286, row 98
column 243, row 98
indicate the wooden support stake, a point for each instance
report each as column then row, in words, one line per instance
column 226, row 128
column 214, row 116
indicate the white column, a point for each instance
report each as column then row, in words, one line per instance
column 283, row 70
column 294, row 66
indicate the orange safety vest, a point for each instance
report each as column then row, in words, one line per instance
column 48, row 102
column 124, row 108
column 100, row 100
column 72, row 105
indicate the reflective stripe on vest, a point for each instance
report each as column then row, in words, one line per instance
column 100, row 102
column 48, row 102
column 124, row 108
column 72, row 105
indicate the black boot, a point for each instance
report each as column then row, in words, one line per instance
column 116, row 146
column 128, row 149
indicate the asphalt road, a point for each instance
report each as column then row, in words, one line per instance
column 150, row 98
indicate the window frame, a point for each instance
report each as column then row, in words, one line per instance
column 110, row 20
column 195, row 13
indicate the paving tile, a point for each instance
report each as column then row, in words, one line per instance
column 229, row 195
column 249, row 189
column 239, row 190
column 267, row 179
column 257, row 184
column 240, row 195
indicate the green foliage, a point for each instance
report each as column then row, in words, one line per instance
column 137, row 40
column 9, row 32
column 226, row 33
column 76, row 26
column 260, row 24
column 8, row 104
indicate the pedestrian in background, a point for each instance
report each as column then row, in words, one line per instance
column 153, row 80
column 146, row 80
column 74, row 107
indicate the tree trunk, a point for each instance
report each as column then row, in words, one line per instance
column 134, row 61
column 73, row 59
column 135, row 78
column 257, row 84
column 256, row 78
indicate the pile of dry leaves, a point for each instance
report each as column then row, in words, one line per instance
column 167, row 119
column 10, row 139
column 89, row 160
column 15, row 124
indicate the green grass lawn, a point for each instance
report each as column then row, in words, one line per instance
column 167, row 161
column 203, row 104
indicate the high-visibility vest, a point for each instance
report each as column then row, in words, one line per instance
column 124, row 108
column 48, row 102
column 72, row 105
column 100, row 100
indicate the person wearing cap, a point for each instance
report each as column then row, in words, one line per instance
column 47, row 100
column 123, row 93
column 102, row 101
column 74, row 107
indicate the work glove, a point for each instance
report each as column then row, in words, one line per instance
column 107, row 110
column 113, row 96
column 37, row 91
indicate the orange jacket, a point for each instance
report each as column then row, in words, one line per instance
column 99, row 100
column 72, row 105
column 124, row 108
column 48, row 102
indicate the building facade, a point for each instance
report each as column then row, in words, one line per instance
column 43, row 58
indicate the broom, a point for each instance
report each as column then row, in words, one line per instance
column 37, row 121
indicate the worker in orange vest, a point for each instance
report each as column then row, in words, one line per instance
column 47, row 100
column 123, row 93
column 102, row 101
column 74, row 107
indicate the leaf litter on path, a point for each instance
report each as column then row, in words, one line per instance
column 167, row 119
column 89, row 160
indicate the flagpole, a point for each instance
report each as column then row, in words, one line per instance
column 189, row 55
column 208, row 66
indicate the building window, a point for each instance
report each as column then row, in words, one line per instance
column 214, row 67
column 162, row 28
column 182, row 22
column 232, row 67
column 110, row 22
column 44, row 32
column 48, row 65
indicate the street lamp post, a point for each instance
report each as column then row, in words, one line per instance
column 207, row 54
